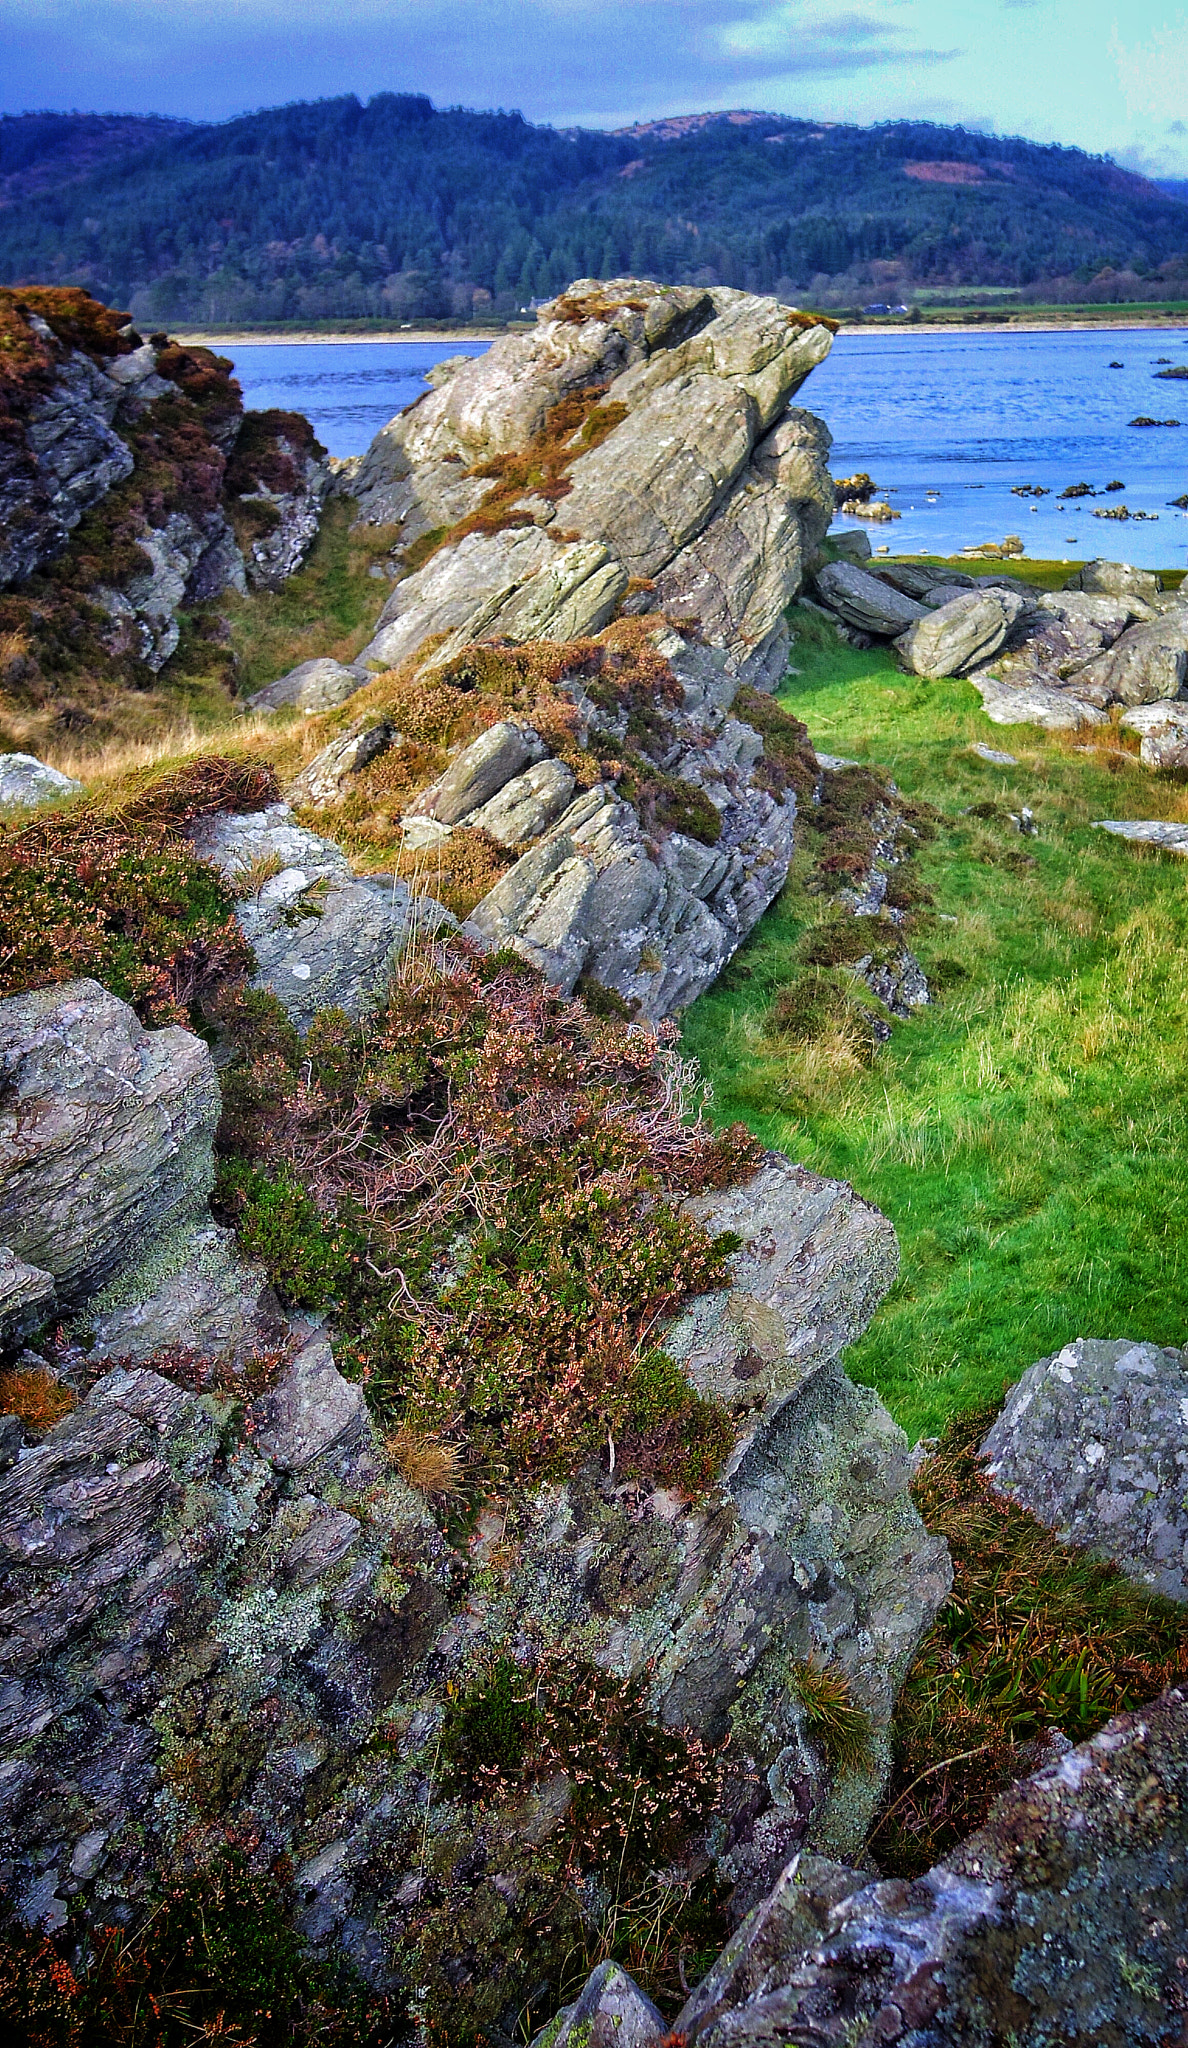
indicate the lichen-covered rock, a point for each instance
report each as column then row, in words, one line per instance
column 325, row 779
column 1093, row 1442
column 105, row 1133
column 1147, row 832
column 322, row 935
column 480, row 771
column 72, row 459
column 144, row 610
column 26, row 781
column 1061, row 1921
column 527, row 805
column 957, row 635
column 1163, row 727
column 612, row 2012
column 1148, row 662
column 708, row 485
column 273, row 556
column 318, row 685
column 192, row 1291
column 1115, row 579
column 1032, row 703
column 26, row 1298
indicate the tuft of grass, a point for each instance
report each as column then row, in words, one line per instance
column 842, row 1728
column 36, row 1397
column 425, row 1463
column 1036, row 1636
column 1027, row 1132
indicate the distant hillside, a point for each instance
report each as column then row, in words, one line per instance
column 338, row 210
column 1176, row 188
column 40, row 153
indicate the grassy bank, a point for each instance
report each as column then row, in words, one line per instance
column 1028, row 1132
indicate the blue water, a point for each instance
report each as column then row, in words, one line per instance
column 945, row 423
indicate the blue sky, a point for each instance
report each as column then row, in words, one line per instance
column 1101, row 75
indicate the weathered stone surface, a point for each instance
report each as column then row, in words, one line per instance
column 526, row 805
column 1115, row 579
column 1093, row 1442
column 193, row 1292
column 774, row 1938
column 105, row 1133
column 24, row 780
column 918, row 580
column 1147, row 662
column 1164, row 730
column 959, row 634
column 861, row 600
column 144, row 610
column 321, row 935
column 311, row 1412
column 312, row 686
column 480, row 771
column 817, row 1261
column 1060, row 1921
column 612, row 2012
column 326, row 778
column 994, row 755
column 1057, row 710
column 1147, row 831
column 516, row 585
column 272, row 557
column 74, row 457
column 26, row 1298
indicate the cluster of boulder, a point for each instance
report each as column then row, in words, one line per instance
column 1059, row 659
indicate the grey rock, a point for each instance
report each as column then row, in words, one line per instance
column 26, row 781
column 312, row 686
column 326, row 779
column 776, row 1936
column 312, row 1411
column 144, row 610
column 1164, row 730
column 276, row 555
column 322, row 936
column 995, row 755
column 27, row 1297
column 1147, row 831
column 192, row 1292
column 851, row 545
column 105, row 1133
column 1148, row 662
column 960, row 634
column 526, row 805
column 1092, row 1442
column 71, row 459
column 1111, row 614
column 516, row 585
column 480, row 771
column 1114, row 579
column 859, row 599
column 612, row 2012
column 918, row 580
column 1032, row 703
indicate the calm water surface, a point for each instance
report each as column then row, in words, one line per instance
column 945, row 423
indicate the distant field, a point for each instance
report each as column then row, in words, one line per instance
column 1027, row 1133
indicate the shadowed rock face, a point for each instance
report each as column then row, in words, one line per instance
column 708, row 486
column 1060, row 1921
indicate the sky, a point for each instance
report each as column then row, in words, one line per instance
column 1107, row 77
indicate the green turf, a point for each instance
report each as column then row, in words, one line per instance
column 1028, row 1133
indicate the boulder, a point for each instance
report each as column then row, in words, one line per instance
column 326, row 779
column 322, row 936
column 1092, row 1442
column 919, row 579
column 311, row 1413
column 860, row 600
column 612, row 2012
column 1164, row 730
column 105, row 1133
column 312, row 686
column 1061, row 1920
column 27, row 1299
column 1114, row 579
column 1034, row 703
column 1147, row 662
column 480, row 771
column 850, row 545
column 959, row 635
column 1147, row 832
column 26, row 781
column 192, row 1292
column 994, row 755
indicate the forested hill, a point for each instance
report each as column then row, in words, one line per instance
column 336, row 209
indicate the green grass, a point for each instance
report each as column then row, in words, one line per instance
column 329, row 607
column 1028, row 1133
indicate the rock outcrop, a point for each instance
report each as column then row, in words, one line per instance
column 226, row 1607
column 1092, row 1442
column 25, row 782
column 1061, row 1920
column 681, row 467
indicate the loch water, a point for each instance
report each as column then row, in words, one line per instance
column 946, row 424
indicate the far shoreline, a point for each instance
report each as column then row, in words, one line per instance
column 197, row 337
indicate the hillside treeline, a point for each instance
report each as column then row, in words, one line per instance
column 336, row 209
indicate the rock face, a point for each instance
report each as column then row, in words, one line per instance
column 656, row 919
column 1092, row 1441
column 72, row 458
column 25, row 781
column 704, row 483
column 105, row 1133
column 322, row 935
column 1062, row 1920
column 226, row 1608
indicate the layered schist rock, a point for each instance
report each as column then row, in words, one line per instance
column 1061, row 1921
column 225, row 1608
column 706, row 486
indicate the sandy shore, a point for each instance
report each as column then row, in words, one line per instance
column 421, row 336
column 199, row 336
